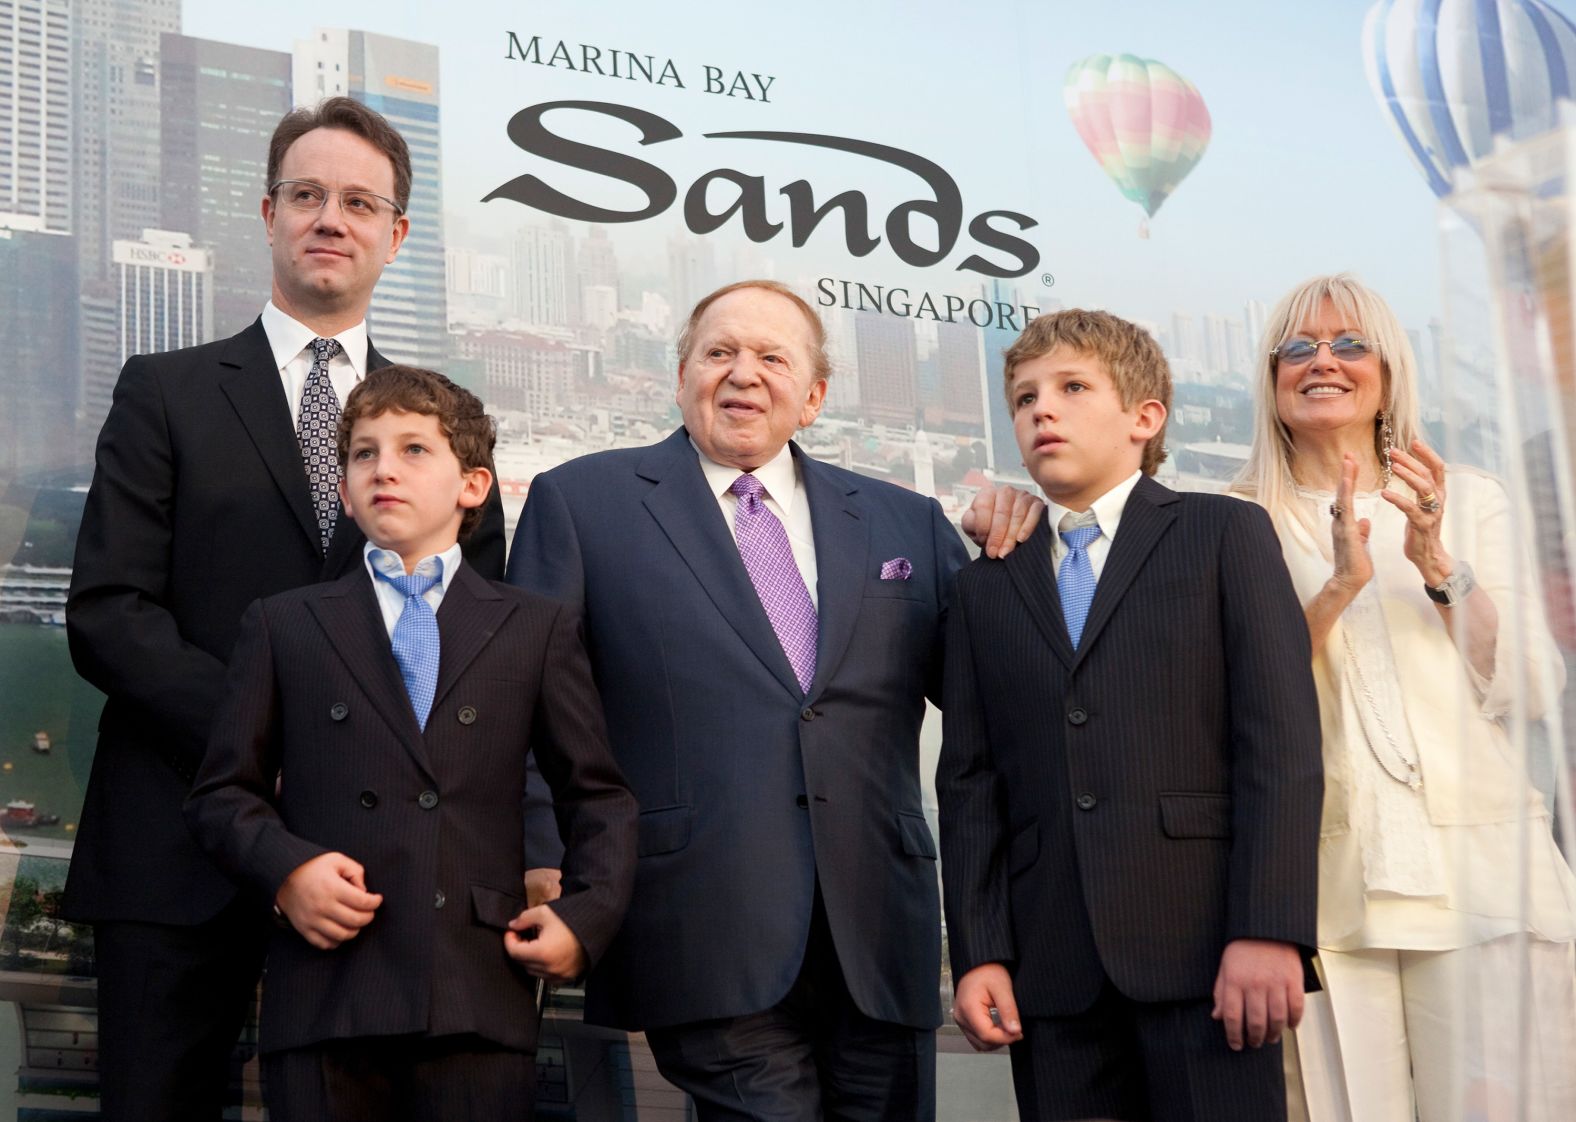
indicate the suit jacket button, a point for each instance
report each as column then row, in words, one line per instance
column 438, row 899
column 467, row 715
column 1086, row 801
column 340, row 711
column 807, row 714
column 802, row 802
column 427, row 800
column 1076, row 715
column 369, row 799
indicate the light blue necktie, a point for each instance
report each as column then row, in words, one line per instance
column 1076, row 580
column 415, row 638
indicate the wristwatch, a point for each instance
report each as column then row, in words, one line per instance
column 1455, row 588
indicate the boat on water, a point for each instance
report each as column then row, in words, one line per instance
column 20, row 812
column 41, row 743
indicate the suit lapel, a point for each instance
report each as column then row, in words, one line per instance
column 1029, row 568
column 1145, row 518
column 471, row 613
column 842, row 551
column 348, row 612
column 251, row 381
column 688, row 513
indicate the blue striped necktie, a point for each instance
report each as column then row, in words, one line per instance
column 1075, row 581
column 415, row 638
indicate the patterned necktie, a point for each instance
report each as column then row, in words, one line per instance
column 1076, row 580
column 317, row 429
column 763, row 546
column 416, row 638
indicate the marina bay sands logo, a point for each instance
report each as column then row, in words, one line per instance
column 993, row 249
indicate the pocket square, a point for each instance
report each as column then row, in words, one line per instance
column 899, row 568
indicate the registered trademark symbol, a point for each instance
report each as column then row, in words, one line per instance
column 1047, row 280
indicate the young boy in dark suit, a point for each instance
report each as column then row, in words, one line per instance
column 366, row 772
column 1130, row 776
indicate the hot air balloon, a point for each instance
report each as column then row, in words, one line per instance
column 1456, row 75
column 1145, row 124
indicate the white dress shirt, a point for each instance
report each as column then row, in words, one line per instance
column 391, row 601
column 291, row 342
column 1108, row 509
column 785, row 497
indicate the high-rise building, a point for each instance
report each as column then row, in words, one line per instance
column 220, row 104
column 542, row 261
column 35, row 112
column 399, row 78
column 1253, row 319
column 958, row 354
column 115, row 119
column 842, row 388
column 1184, row 339
column 692, row 272
column 38, row 321
column 1217, row 354
column 597, row 261
column 887, row 368
column 166, row 293
column 478, row 285
column 1237, row 347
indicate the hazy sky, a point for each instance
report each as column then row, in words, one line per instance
column 1303, row 173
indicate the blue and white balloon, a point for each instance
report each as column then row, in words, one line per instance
column 1455, row 76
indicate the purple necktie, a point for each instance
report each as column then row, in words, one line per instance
column 763, row 545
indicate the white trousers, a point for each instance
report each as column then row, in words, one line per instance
column 1482, row 1034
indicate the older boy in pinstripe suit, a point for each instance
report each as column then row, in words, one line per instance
column 1130, row 779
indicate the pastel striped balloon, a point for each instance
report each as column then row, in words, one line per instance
column 1456, row 76
column 1145, row 124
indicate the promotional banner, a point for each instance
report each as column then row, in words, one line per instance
column 929, row 176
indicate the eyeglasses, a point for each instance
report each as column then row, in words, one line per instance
column 1295, row 352
column 304, row 195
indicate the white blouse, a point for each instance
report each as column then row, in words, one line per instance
column 1393, row 872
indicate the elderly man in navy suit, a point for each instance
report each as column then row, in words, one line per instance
column 764, row 629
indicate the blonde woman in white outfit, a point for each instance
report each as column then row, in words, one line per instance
column 1446, row 912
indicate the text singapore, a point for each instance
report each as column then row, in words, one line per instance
column 1013, row 256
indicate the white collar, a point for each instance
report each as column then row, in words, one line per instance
column 777, row 475
column 1107, row 508
column 288, row 337
column 388, row 562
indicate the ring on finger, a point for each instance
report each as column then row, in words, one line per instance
column 1336, row 510
column 1429, row 503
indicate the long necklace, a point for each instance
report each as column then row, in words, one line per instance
column 1410, row 775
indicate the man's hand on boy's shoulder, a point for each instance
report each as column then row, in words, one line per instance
column 1258, row 992
column 545, row 946
column 326, row 900
column 1001, row 518
column 985, row 1009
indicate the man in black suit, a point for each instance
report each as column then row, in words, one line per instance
column 214, row 485
column 764, row 699
column 1130, row 777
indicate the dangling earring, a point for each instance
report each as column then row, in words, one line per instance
column 1386, row 443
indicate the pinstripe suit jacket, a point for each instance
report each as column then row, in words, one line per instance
column 434, row 816
column 1124, row 810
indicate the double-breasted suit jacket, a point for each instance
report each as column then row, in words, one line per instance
column 1123, row 810
column 199, row 505
column 433, row 816
column 752, row 791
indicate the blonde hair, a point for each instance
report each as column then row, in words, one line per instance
column 1129, row 354
column 1267, row 478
